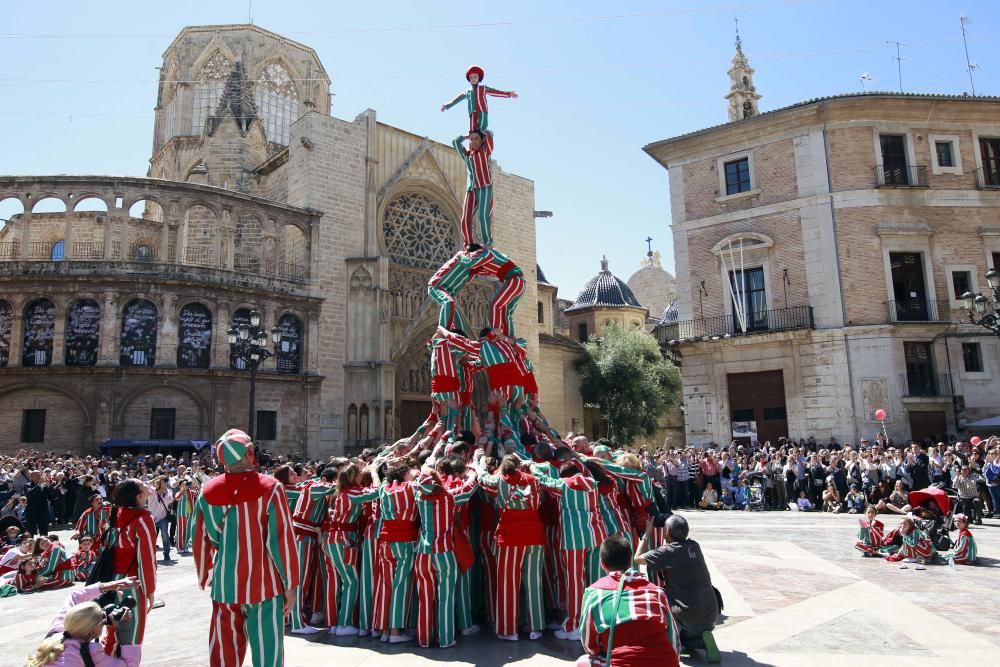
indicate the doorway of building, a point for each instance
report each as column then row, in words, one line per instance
column 931, row 424
column 757, row 401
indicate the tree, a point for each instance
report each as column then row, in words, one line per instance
column 627, row 378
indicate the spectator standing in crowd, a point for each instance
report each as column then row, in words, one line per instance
column 160, row 502
column 967, row 487
column 36, row 513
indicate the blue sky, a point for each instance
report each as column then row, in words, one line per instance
column 598, row 80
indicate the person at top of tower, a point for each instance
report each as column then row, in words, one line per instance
column 475, row 97
column 479, row 184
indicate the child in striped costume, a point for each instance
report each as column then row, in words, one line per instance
column 397, row 541
column 964, row 552
column 645, row 632
column 307, row 525
column 491, row 262
column 341, row 547
column 578, row 501
column 871, row 535
column 475, row 98
column 186, row 495
column 435, row 566
column 85, row 558
column 916, row 546
column 54, row 564
column 479, row 184
column 520, row 551
column 244, row 550
column 94, row 519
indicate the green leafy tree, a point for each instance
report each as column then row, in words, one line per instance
column 627, row 378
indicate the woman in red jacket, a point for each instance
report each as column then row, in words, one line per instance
column 133, row 537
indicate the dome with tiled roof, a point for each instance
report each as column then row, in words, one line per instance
column 605, row 291
column 669, row 315
column 653, row 286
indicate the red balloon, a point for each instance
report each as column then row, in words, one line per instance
column 975, row 440
column 880, row 415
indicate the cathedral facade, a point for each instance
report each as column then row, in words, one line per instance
column 257, row 199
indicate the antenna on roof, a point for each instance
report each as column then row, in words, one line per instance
column 739, row 42
column 899, row 62
column 250, row 12
column 970, row 66
column 866, row 77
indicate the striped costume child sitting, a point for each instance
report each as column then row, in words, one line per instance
column 871, row 535
column 245, row 550
column 915, row 545
column 964, row 552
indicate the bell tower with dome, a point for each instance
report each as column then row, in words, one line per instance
column 742, row 94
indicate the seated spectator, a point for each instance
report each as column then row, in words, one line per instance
column 624, row 619
column 709, row 498
column 964, row 552
column 13, row 557
column 871, row 536
column 914, row 545
column 897, row 503
column 85, row 558
column 739, row 495
column 804, row 504
column 831, row 498
column 70, row 641
column 855, row 500
column 12, row 538
column 681, row 565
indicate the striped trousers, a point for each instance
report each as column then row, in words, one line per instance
column 503, row 303
column 437, row 576
column 519, row 578
column 185, row 526
column 395, row 594
column 308, row 551
column 133, row 631
column 463, row 600
column 488, row 561
column 367, row 582
column 234, row 626
column 449, row 316
column 449, row 414
column 478, row 205
column 575, row 565
column 555, row 575
column 343, row 593
column 479, row 120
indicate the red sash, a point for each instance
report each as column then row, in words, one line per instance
column 441, row 384
column 503, row 374
column 399, row 530
column 520, row 528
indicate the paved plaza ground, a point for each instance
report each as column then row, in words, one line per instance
column 796, row 594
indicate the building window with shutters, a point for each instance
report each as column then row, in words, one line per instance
column 161, row 423
column 33, row 426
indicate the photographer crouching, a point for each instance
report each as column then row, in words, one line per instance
column 71, row 639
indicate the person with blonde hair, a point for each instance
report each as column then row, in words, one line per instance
column 76, row 627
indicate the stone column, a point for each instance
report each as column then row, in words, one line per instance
column 220, row 343
column 109, row 223
column 164, row 250
column 25, row 233
column 124, row 237
column 182, row 240
column 59, row 337
column 16, row 335
column 110, row 331
column 166, row 336
column 68, row 237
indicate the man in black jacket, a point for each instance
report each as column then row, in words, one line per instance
column 918, row 465
column 36, row 515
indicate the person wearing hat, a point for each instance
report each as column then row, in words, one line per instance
column 478, row 185
column 855, row 500
column 475, row 98
column 246, row 556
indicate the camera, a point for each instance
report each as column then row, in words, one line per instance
column 115, row 613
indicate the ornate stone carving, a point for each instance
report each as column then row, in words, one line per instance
column 417, row 232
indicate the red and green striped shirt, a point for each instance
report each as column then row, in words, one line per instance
column 437, row 509
column 94, row 521
column 578, row 500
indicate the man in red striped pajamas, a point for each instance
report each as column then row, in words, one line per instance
column 479, row 185
column 307, row 521
column 493, row 263
column 244, row 549
column 475, row 98
column 397, row 541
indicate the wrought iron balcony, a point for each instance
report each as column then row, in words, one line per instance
column 900, row 177
column 988, row 178
column 922, row 383
column 728, row 326
column 916, row 311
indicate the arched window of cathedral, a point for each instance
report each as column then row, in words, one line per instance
column 363, row 422
column 277, row 102
column 6, row 318
column 194, row 337
column 138, row 335
column 208, row 90
column 241, row 318
column 142, row 252
column 289, row 349
column 39, row 331
column 58, row 250
column 83, row 324
column 352, row 422
column 417, row 232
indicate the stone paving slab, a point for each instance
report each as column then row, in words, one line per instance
column 796, row 593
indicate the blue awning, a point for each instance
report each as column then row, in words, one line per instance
column 992, row 422
column 149, row 443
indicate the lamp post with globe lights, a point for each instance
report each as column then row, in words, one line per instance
column 983, row 311
column 249, row 343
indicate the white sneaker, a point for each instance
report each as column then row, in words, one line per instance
column 903, row 566
column 384, row 638
column 534, row 635
column 471, row 630
column 347, row 631
column 400, row 639
column 364, row 633
column 448, row 645
column 508, row 638
column 317, row 619
column 306, row 630
column 572, row 635
column 918, row 566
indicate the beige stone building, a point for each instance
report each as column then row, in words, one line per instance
column 820, row 252
column 116, row 293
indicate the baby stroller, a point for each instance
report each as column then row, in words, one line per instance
column 934, row 513
column 755, row 492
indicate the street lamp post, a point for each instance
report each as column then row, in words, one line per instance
column 249, row 343
column 982, row 311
